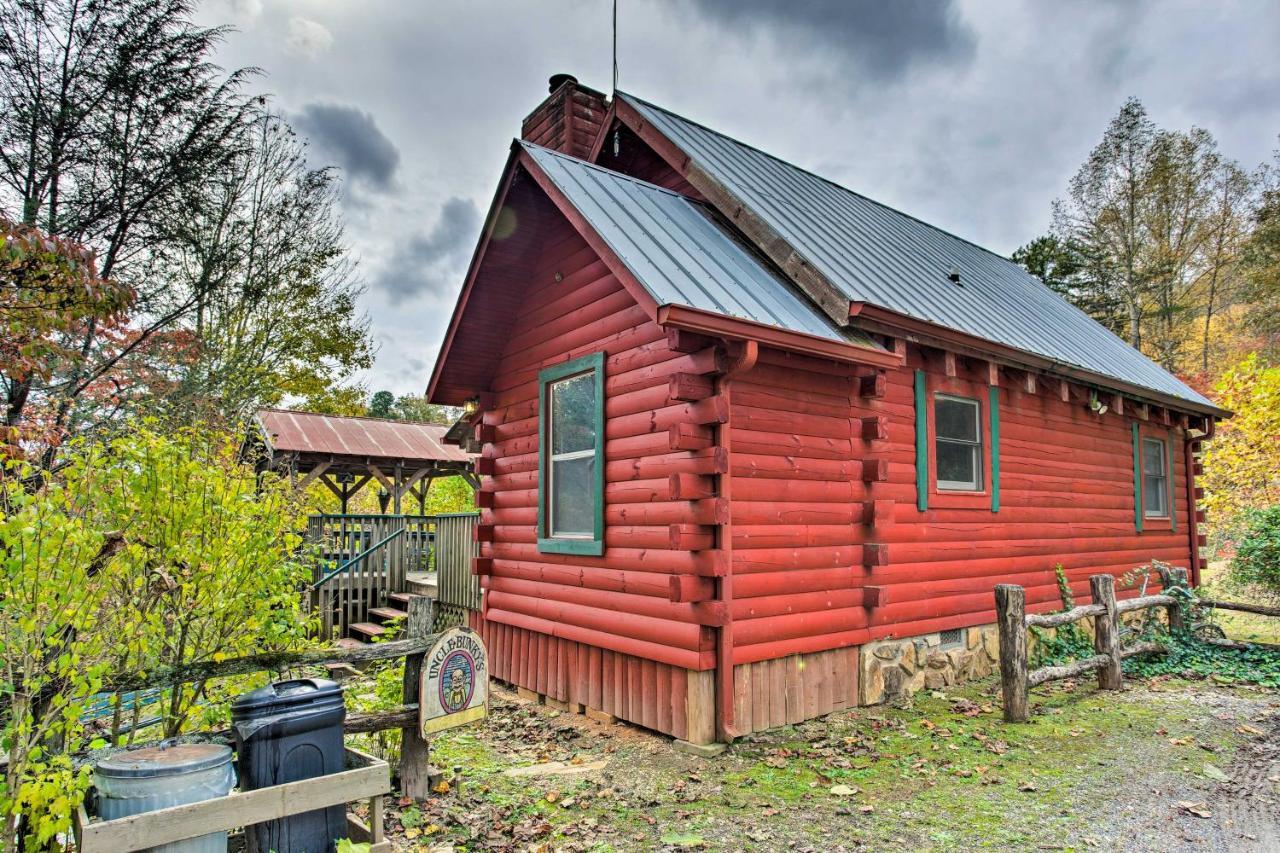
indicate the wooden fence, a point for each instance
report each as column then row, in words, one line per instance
column 418, row 639
column 1013, row 622
column 458, row 590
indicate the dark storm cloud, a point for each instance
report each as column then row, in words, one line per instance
column 432, row 263
column 349, row 138
column 879, row 38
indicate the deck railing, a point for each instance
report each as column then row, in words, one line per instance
column 458, row 590
column 363, row 558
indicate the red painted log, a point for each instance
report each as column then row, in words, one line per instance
column 691, row 537
column 689, row 487
column 875, row 428
column 689, row 387
column 873, row 386
column 687, row 588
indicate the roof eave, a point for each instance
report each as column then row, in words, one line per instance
column 735, row 328
column 499, row 198
column 885, row 321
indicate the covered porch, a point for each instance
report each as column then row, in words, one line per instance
column 367, row 565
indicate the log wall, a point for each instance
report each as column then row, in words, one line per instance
column 828, row 548
column 546, row 612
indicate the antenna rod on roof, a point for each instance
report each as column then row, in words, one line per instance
column 615, row 47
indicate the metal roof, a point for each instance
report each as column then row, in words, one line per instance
column 373, row 438
column 678, row 252
column 878, row 255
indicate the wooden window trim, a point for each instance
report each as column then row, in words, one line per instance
column 931, row 386
column 1142, row 522
column 594, row 545
column 980, row 468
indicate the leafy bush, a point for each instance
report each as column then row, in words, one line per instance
column 1257, row 560
column 149, row 551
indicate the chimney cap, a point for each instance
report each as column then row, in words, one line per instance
column 558, row 80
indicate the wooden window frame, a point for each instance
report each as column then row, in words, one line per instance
column 1141, row 521
column 979, row 485
column 592, row 545
column 1163, row 454
column 929, row 386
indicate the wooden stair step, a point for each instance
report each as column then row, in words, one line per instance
column 402, row 598
column 368, row 629
column 387, row 613
column 349, row 643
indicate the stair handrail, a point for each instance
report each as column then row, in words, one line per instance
column 357, row 558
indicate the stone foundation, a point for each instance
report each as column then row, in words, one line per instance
column 894, row 669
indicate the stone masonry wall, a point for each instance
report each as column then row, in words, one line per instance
column 897, row 668
column 894, row 669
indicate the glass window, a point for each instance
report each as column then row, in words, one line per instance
column 571, row 485
column 573, row 452
column 1155, row 479
column 958, row 445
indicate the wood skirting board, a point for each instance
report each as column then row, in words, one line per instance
column 669, row 699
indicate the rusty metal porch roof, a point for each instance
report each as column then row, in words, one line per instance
column 341, row 436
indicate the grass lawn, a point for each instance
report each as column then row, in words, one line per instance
column 1239, row 626
column 1162, row 765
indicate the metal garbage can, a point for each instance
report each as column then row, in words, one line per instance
column 285, row 732
column 145, row 780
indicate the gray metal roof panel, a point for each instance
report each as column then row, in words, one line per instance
column 878, row 255
column 678, row 252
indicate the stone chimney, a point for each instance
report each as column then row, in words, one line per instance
column 569, row 119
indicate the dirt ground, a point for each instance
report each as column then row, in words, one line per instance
column 1162, row 765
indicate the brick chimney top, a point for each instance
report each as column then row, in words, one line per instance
column 569, row 119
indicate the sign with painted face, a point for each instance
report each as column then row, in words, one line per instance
column 455, row 682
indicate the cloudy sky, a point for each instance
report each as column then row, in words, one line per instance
column 970, row 115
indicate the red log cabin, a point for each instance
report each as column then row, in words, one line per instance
column 755, row 447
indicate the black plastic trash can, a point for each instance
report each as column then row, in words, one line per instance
column 285, row 732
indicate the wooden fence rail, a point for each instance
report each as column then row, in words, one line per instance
column 418, row 640
column 1013, row 621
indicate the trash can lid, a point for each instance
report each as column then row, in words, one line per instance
column 164, row 760
column 295, row 693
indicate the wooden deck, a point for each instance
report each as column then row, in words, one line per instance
column 367, row 566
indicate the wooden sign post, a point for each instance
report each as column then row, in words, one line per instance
column 454, row 689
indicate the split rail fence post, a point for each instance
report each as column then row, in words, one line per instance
column 1011, row 615
column 1106, row 634
column 415, row 770
column 1170, row 578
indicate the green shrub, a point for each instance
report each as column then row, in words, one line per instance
column 1257, row 560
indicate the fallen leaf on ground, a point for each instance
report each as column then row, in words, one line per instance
column 1215, row 774
column 1027, row 786
column 1197, row 809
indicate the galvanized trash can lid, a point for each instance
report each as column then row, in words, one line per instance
column 172, row 760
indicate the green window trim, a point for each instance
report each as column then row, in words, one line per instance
column 993, row 409
column 922, row 445
column 593, row 546
column 1137, row 479
column 1173, row 489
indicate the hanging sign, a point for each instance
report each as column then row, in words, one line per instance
column 455, row 682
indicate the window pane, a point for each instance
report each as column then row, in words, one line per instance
column 1153, row 495
column 573, row 496
column 1152, row 457
column 956, row 419
column 957, row 465
column 573, row 407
